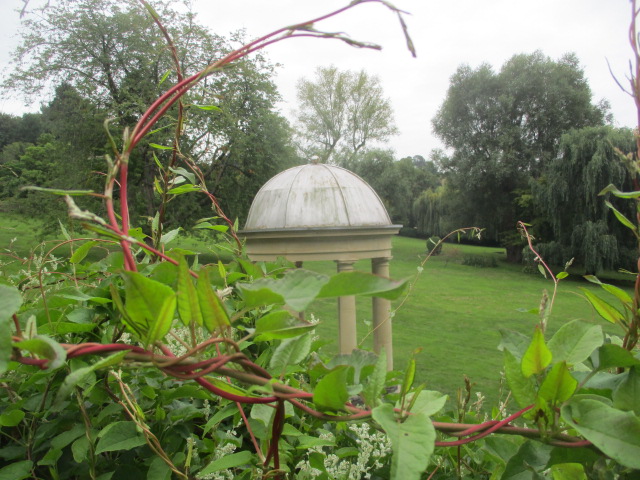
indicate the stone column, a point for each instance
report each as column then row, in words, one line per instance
column 382, row 333
column 347, row 336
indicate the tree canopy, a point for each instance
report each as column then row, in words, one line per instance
column 114, row 56
column 341, row 113
column 581, row 225
column 503, row 127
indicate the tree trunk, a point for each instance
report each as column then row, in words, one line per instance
column 514, row 253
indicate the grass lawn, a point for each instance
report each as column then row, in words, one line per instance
column 453, row 311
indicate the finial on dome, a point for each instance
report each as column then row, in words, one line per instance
column 315, row 160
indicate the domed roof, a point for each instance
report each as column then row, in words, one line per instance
column 316, row 196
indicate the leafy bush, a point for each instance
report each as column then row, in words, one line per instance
column 434, row 245
column 480, row 261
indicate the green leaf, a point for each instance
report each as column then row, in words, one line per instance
column 228, row 461
column 185, row 173
column 331, row 391
column 627, row 394
column 515, row 342
column 604, row 309
column 376, row 381
column 17, row 470
column 10, row 302
column 160, row 147
column 214, row 315
column 150, row 305
column 522, row 388
column 561, row 275
column 278, row 325
column 614, row 190
column 358, row 359
column 291, row 351
column 187, row 296
column 119, row 436
column 11, row 418
column 208, row 107
column 613, row 431
column 413, row 442
column 409, row 374
column 538, row 356
column 297, row 288
column 58, row 191
column 186, row 188
column 80, row 374
column 44, row 347
column 621, row 218
column 568, row 471
column 170, row 235
column 575, row 341
column 361, row 283
column 428, row 402
column 558, row 385
column 531, row 457
column 614, row 356
column 82, row 251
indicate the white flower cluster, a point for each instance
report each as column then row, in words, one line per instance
column 374, row 449
column 221, row 451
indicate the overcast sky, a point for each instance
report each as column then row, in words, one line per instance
column 446, row 34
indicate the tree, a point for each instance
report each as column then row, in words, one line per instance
column 341, row 113
column 567, row 194
column 504, row 127
column 114, row 56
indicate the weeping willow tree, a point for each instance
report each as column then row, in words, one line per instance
column 581, row 225
column 430, row 211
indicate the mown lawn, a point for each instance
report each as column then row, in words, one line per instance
column 452, row 312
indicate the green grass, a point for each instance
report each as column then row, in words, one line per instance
column 453, row 311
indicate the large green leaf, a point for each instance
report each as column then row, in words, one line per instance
column 429, row 402
column 613, row 356
column 227, row 461
column 214, row 315
column 558, row 385
column 188, row 305
column 119, row 436
column 82, row 251
column 627, row 395
column 613, row 431
column 16, row 470
column 604, row 308
column 297, row 288
column 291, row 351
column 376, row 381
column 575, row 341
column 278, row 325
column 331, row 391
column 10, row 301
column 522, row 388
column 361, row 283
column 538, row 356
column 413, row 442
column 532, row 457
column 150, row 305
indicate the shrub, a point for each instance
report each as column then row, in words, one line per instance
column 480, row 261
column 434, row 245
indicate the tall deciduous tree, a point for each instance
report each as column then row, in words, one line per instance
column 504, row 127
column 114, row 55
column 342, row 113
column 567, row 194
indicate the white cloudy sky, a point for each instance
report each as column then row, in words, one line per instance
column 446, row 33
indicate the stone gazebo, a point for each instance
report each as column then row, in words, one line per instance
column 324, row 212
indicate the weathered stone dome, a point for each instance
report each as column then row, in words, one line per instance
column 316, row 196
